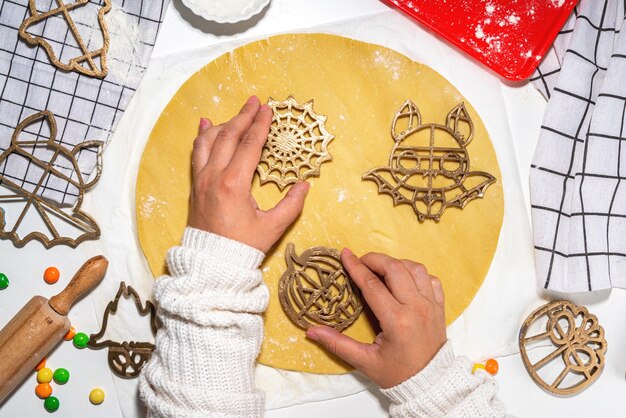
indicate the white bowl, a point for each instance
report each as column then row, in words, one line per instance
column 226, row 11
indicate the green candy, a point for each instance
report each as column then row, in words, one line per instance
column 4, row 281
column 61, row 376
column 80, row 340
column 51, row 404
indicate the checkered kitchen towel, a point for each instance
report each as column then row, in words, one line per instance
column 578, row 175
column 85, row 108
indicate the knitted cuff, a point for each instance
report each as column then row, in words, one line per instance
column 213, row 280
column 424, row 381
column 246, row 257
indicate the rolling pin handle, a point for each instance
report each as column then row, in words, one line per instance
column 85, row 279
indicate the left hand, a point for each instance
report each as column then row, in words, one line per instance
column 225, row 158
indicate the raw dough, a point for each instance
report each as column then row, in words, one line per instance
column 359, row 86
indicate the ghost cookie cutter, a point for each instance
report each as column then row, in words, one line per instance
column 297, row 144
column 316, row 290
column 44, row 159
column 127, row 358
column 87, row 62
column 579, row 344
column 429, row 166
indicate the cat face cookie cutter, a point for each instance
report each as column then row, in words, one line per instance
column 429, row 165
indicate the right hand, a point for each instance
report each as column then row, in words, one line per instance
column 225, row 158
column 408, row 304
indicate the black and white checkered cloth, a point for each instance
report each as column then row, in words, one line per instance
column 85, row 108
column 578, row 174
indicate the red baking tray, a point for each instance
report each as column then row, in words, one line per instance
column 509, row 36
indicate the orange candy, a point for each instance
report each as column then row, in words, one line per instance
column 492, row 366
column 51, row 275
column 41, row 364
column 70, row 334
column 43, row 390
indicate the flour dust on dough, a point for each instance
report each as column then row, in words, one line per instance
column 359, row 86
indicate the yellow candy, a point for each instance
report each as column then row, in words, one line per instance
column 478, row 366
column 44, row 375
column 96, row 396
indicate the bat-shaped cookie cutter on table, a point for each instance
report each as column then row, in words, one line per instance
column 44, row 157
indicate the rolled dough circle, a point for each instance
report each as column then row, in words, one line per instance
column 359, row 86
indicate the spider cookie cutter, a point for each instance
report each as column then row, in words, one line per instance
column 580, row 347
column 429, row 165
column 87, row 57
column 126, row 358
column 316, row 290
column 31, row 194
column 297, row 144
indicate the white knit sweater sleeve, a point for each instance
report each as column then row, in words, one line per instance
column 446, row 387
column 210, row 308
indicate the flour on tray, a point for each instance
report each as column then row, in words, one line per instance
column 513, row 19
column 479, row 32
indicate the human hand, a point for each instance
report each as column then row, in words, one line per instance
column 408, row 304
column 225, row 158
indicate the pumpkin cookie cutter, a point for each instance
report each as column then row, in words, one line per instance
column 49, row 211
column 87, row 57
column 297, row 144
column 316, row 290
column 580, row 347
column 429, row 164
column 126, row 358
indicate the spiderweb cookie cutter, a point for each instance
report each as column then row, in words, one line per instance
column 87, row 57
column 297, row 144
column 126, row 358
column 316, row 290
column 580, row 347
column 429, row 174
column 32, row 199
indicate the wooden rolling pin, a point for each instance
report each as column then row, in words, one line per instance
column 40, row 325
